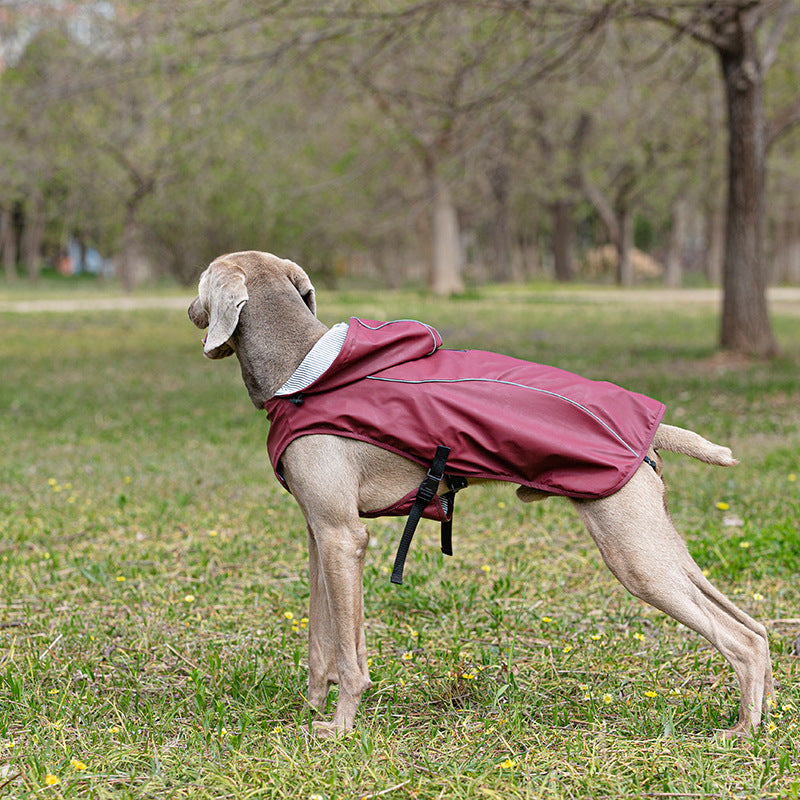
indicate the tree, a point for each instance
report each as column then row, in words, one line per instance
column 731, row 28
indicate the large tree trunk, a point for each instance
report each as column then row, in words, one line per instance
column 446, row 278
column 563, row 239
column 745, row 326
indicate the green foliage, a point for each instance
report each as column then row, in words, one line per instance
column 153, row 601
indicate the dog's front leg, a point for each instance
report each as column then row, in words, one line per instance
column 322, row 672
column 337, row 621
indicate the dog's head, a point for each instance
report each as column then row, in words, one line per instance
column 226, row 286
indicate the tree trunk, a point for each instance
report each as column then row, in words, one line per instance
column 714, row 246
column 745, row 326
column 673, row 274
column 130, row 247
column 624, row 245
column 563, row 239
column 8, row 244
column 33, row 236
column 501, row 268
column 446, row 277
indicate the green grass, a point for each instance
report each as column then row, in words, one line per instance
column 153, row 588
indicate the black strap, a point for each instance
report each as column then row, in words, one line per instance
column 426, row 492
column 454, row 484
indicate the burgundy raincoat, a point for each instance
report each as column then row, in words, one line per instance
column 394, row 386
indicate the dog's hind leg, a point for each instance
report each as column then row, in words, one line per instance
column 639, row 544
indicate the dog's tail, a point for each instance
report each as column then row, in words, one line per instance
column 678, row 440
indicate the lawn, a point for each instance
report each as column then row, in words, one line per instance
column 153, row 598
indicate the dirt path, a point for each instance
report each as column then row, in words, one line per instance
column 121, row 303
column 783, row 299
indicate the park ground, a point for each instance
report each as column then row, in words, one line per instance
column 154, row 600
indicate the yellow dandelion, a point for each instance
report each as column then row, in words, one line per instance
column 212, row 534
column 468, row 676
column 121, row 579
column 596, row 637
column 744, row 545
column 501, row 504
column 51, row 780
column 567, row 648
column 509, row 763
column 723, row 506
column 650, row 693
column 546, row 619
column 115, row 729
column 52, row 481
column 486, row 568
column 77, row 764
column 127, row 479
column 288, row 615
column 792, row 477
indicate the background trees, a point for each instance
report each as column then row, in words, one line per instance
column 428, row 140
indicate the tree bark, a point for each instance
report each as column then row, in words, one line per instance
column 745, row 325
column 446, row 276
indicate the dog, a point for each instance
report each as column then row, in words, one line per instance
column 263, row 309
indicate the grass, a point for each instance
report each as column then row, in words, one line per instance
column 153, row 598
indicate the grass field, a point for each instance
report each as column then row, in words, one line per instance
column 153, row 593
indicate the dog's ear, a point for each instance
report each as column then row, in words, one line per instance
column 304, row 286
column 223, row 292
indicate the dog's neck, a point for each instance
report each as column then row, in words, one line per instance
column 270, row 347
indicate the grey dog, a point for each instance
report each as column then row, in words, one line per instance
column 263, row 309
